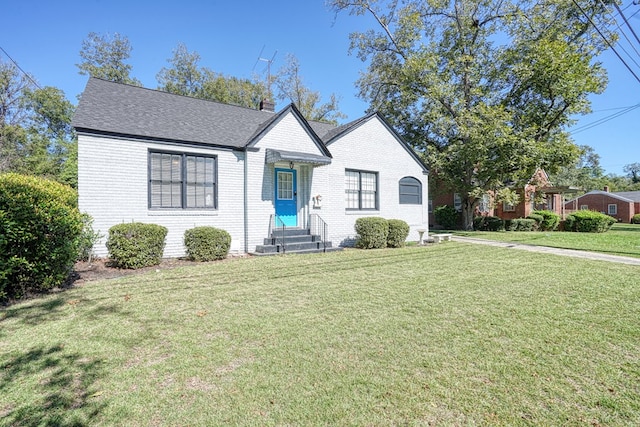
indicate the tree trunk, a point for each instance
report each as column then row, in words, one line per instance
column 468, row 207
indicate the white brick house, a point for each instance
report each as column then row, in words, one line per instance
column 153, row 157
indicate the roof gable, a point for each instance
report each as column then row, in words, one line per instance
column 339, row 132
column 115, row 108
column 293, row 110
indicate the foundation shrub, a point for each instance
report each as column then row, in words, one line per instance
column 136, row 245
column 371, row 233
column 398, row 232
column 206, row 243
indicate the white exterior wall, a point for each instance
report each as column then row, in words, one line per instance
column 369, row 147
column 113, row 184
column 289, row 135
column 113, row 188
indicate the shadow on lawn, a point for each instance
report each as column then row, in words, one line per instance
column 62, row 393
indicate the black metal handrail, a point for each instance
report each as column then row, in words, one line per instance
column 274, row 223
column 318, row 227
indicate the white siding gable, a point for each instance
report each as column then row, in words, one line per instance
column 369, row 147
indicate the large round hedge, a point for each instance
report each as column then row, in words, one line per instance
column 589, row 222
column 39, row 229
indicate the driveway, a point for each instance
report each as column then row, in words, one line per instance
column 554, row 251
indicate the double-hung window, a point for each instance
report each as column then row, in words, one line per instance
column 182, row 181
column 361, row 190
column 612, row 209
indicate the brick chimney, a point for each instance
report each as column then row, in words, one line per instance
column 266, row 105
column 606, row 189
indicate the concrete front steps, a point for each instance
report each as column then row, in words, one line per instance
column 293, row 241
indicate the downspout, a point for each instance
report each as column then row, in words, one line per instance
column 246, row 203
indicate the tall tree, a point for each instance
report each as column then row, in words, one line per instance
column 35, row 128
column 483, row 88
column 186, row 77
column 105, row 56
column 633, row 172
column 290, row 87
column 50, row 144
column 13, row 86
column 585, row 173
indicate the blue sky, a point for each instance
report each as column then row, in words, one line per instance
column 44, row 37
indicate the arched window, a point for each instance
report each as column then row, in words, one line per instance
column 410, row 191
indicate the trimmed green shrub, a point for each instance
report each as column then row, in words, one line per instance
column 398, row 232
column 635, row 219
column 538, row 220
column 136, row 245
column 87, row 239
column 589, row 222
column 206, row 243
column 488, row 223
column 446, row 216
column 371, row 232
column 550, row 220
column 39, row 228
column 521, row 224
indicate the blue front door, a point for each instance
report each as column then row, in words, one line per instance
column 286, row 197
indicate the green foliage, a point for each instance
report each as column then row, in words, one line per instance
column 589, row 222
column 186, row 77
column 537, row 218
column 446, row 216
column 398, row 232
column 488, row 223
column 635, row 219
column 105, row 56
column 521, row 224
column 486, row 92
column 371, row 233
column 550, row 220
column 36, row 137
column 136, row 245
column 39, row 228
column 87, row 239
column 292, row 89
column 206, row 243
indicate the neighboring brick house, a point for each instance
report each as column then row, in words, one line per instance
column 622, row 206
column 155, row 157
column 539, row 182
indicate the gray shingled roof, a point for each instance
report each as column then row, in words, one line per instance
column 116, row 108
column 631, row 195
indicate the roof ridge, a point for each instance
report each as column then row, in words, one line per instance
column 160, row 91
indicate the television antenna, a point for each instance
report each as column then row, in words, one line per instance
column 269, row 62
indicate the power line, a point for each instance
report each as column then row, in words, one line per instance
column 604, row 119
column 625, row 21
column 20, row 68
column 606, row 40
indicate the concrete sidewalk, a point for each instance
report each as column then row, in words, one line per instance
column 554, row 251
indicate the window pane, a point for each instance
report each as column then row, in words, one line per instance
column 410, row 191
column 285, row 185
column 361, row 190
column 166, row 184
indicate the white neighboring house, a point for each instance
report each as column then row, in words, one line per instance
column 154, row 157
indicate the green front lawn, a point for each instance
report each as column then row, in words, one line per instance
column 450, row 334
column 622, row 239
